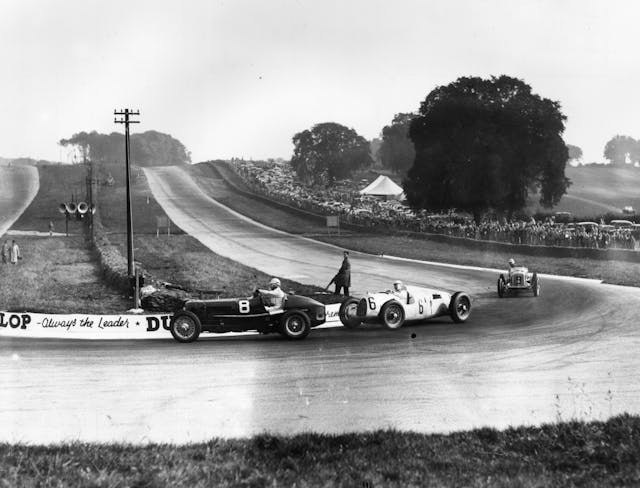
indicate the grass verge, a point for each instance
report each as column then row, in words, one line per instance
column 567, row 454
column 615, row 272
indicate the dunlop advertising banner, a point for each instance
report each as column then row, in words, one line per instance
column 87, row 326
column 84, row 326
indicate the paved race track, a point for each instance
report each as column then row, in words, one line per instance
column 571, row 353
column 18, row 186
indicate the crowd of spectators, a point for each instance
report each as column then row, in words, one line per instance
column 277, row 181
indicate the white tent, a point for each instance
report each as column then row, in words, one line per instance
column 383, row 186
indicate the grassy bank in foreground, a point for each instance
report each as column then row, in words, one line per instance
column 616, row 272
column 569, row 454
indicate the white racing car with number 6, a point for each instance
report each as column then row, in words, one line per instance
column 413, row 303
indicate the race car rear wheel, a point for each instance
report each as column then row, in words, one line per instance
column 348, row 313
column 295, row 324
column 460, row 307
column 392, row 315
column 535, row 284
column 502, row 286
column 185, row 326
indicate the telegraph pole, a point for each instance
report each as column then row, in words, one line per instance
column 124, row 119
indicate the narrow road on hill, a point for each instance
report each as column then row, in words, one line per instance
column 18, row 186
column 570, row 353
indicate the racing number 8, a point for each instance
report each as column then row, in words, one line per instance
column 372, row 303
column 243, row 306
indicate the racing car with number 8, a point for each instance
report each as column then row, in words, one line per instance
column 294, row 319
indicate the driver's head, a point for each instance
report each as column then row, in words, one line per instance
column 397, row 285
column 274, row 283
column 512, row 262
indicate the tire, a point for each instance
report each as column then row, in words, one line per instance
column 535, row 285
column 460, row 307
column 348, row 313
column 185, row 326
column 295, row 325
column 502, row 286
column 392, row 315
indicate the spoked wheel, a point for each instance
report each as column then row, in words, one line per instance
column 349, row 313
column 295, row 325
column 185, row 326
column 392, row 315
column 460, row 307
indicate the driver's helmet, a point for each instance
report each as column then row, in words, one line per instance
column 397, row 285
column 512, row 262
column 275, row 282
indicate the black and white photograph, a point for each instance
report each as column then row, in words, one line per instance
column 302, row 243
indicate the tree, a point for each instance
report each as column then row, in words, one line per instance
column 575, row 153
column 328, row 152
column 397, row 151
column 484, row 144
column 149, row 148
column 620, row 148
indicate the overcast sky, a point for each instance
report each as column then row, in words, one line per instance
column 240, row 78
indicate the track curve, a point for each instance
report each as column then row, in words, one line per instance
column 571, row 353
column 18, row 187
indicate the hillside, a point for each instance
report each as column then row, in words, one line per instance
column 597, row 190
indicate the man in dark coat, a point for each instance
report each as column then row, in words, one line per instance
column 342, row 279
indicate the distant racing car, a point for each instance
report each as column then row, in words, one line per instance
column 414, row 304
column 519, row 279
column 294, row 320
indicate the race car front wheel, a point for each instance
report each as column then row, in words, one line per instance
column 185, row 326
column 392, row 315
column 349, row 313
column 502, row 286
column 295, row 324
column 460, row 307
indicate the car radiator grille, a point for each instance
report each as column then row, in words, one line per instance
column 518, row 280
column 362, row 307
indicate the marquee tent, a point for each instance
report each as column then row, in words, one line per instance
column 383, row 186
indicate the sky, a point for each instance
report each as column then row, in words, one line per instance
column 239, row 78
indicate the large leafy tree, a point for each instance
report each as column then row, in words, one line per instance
column 575, row 152
column 328, row 152
column 620, row 148
column 396, row 151
column 485, row 144
column 149, row 148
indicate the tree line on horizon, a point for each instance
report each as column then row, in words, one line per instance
column 150, row 148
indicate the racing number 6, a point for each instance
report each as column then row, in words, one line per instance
column 372, row 303
column 243, row 306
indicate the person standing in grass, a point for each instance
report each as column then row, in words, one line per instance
column 15, row 252
column 5, row 252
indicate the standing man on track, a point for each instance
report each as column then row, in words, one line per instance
column 15, row 252
column 342, row 279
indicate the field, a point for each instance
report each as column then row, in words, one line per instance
column 599, row 189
